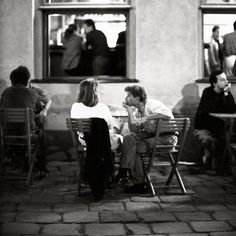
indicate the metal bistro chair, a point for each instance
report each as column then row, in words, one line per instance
column 75, row 126
column 173, row 152
column 16, row 129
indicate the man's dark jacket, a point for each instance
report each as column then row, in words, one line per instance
column 99, row 164
column 212, row 102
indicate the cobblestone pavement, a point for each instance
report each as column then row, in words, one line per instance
column 51, row 207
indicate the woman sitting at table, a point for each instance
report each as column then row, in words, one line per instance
column 211, row 130
column 102, row 138
column 88, row 106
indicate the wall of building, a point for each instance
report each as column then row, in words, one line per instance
column 164, row 57
column 16, row 37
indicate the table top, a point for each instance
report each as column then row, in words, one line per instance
column 224, row 115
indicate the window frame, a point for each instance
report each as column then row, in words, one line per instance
column 211, row 8
column 78, row 8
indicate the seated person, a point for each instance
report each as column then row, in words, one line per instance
column 142, row 124
column 99, row 161
column 88, row 106
column 211, row 130
column 45, row 104
column 20, row 96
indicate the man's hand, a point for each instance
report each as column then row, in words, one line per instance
column 42, row 115
column 141, row 120
column 126, row 106
column 227, row 88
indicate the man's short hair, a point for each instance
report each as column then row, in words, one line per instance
column 235, row 25
column 216, row 27
column 137, row 91
column 213, row 77
column 90, row 22
column 20, row 75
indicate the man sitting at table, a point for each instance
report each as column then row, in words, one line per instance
column 143, row 115
column 211, row 130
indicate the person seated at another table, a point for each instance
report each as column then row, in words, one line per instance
column 142, row 124
column 19, row 95
column 216, row 98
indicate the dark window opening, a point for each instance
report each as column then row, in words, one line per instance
column 112, row 24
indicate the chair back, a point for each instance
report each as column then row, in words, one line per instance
column 78, row 125
column 178, row 126
column 16, row 125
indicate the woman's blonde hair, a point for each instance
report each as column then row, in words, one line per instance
column 88, row 92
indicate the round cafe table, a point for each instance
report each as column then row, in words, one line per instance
column 228, row 119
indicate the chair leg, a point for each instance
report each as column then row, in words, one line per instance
column 147, row 176
column 79, row 172
column 175, row 171
column 29, row 176
column 150, row 184
column 171, row 175
column 3, row 167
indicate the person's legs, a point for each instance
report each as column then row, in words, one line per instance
column 137, row 172
column 219, row 155
column 128, row 155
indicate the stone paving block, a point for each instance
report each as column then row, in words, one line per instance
column 6, row 207
column 104, row 229
column 223, row 233
column 229, row 199
column 147, row 234
column 81, row 217
column 106, row 206
column 38, row 217
column 175, row 207
column 233, row 223
column 225, row 215
column 7, row 217
column 190, row 234
column 70, row 207
column 171, row 227
column 208, row 226
column 232, row 207
column 138, row 228
column 211, row 207
column 121, row 216
column 192, row 216
column 61, row 229
column 204, row 198
column 142, row 206
column 47, row 198
column 34, row 207
column 11, row 198
column 156, row 216
column 17, row 228
column 175, row 198
column 145, row 199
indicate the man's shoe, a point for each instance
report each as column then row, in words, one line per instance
column 137, row 188
column 121, row 178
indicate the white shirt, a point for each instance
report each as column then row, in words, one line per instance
column 153, row 107
column 79, row 110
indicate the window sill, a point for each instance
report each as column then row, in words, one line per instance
column 76, row 80
column 205, row 80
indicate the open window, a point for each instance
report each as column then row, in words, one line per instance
column 110, row 16
column 215, row 13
